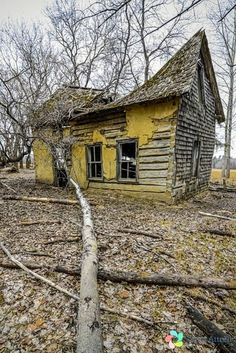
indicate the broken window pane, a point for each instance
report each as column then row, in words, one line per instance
column 196, row 157
column 95, row 161
column 127, row 160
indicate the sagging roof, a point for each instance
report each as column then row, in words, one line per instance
column 174, row 78
column 57, row 109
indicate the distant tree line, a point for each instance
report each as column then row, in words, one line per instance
column 218, row 162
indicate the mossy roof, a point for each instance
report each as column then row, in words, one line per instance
column 174, row 79
column 57, row 109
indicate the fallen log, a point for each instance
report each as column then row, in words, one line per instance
column 218, row 232
column 89, row 336
column 163, row 279
column 41, row 199
column 217, row 216
column 139, row 232
column 225, row 342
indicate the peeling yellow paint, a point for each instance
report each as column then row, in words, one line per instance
column 79, row 168
column 43, row 159
column 144, row 120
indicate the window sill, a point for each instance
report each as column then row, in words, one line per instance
column 95, row 179
column 127, row 181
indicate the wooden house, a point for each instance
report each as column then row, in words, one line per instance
column 156, row 142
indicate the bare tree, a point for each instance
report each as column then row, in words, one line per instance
column 26, row 79
column 226, row 65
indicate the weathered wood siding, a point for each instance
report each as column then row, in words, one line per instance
column 153, row 126
column 194, row 122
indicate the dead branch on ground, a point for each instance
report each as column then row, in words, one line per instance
column 218, row 232
column 34, row 274
column 139, row 232
column 163, row 279
column 221, row 339
column 61, row 240
column 217, row 216
column 211, row 301
column 40, row 221
column 7, row 187
column 41, row 199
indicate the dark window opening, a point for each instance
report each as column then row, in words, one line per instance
column 94, row 161
column 59, row 154
column 201, row 88
column 196, row 157
column 127, row 160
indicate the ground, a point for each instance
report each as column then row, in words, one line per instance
column 37, row 318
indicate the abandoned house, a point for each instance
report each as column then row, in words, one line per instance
column 156, row 142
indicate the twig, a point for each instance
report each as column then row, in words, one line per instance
column 139, row 232
column 36, row 275
column 42, row 221
column 217, row 216
column 61, row 240
column 8, row 187
column 218, row 232
column 33, row 253
column 41, row 199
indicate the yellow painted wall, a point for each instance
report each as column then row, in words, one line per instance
column 43, row 159
column 142, row 122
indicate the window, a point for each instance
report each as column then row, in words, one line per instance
column 196, row 157
column 94, row 153
column 201, row 88
column 127, row 159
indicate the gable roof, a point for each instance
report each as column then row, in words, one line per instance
column 175, row 77
column 57, row 109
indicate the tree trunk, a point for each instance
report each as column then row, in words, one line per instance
column 89, row 337
column 229, row 117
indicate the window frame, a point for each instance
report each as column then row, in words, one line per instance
column 195, row 169
column 119, row 161
column 201, row 84
column 89, row 162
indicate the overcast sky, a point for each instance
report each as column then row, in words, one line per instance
column 32, row 10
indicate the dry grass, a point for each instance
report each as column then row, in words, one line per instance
column 216, row 176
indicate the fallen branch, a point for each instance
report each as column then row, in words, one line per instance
column 139, row 232
column 217, row 216
column 36, row 275
column 89, row 336
column 41, row 199
column 19, row 264
column 211, row 301
column 61, row 240
column 7, row 187
column 33, row 253
column 221, row 339
column 218, row 232
column 42, row 221
column 163, row 279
